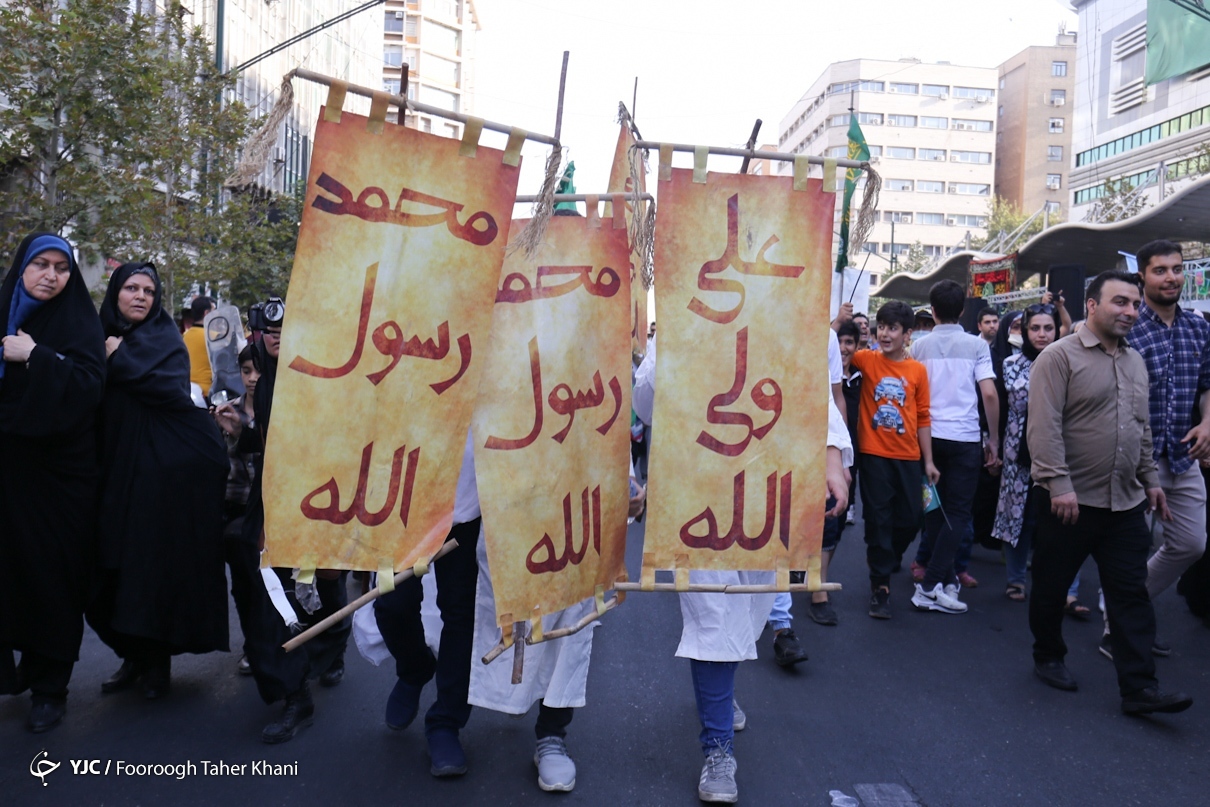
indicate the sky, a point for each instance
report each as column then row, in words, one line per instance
column 707, row 69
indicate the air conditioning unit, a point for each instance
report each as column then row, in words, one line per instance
column 953, row 189
column 945, row 96
column 951, row 222
column 875, row 160
column 399, row 15
column 1058, row 101
column 982, row 99
column 940, row 157
column 953, row 158
column 279, row 155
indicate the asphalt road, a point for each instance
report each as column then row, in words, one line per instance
column 926, row 708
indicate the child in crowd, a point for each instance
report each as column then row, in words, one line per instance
column 894, row 440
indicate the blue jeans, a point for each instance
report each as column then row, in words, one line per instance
column 714, row 690
column 779, row 616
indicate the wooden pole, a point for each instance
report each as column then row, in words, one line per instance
column 558, row 633
column 743, row 169
column 562, row 87
column 724, row 588
column 365, row 599
column 776, row 156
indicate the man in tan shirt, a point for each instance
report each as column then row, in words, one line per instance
column 1090, row 441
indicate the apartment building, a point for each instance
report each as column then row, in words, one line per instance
column 1124, row 131
column 435, row 39
column 931, row 129
column 1033, row 137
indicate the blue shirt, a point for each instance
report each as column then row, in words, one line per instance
column 1178, row 364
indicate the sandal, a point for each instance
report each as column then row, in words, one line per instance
column 1076, row 611
column 1015, row 592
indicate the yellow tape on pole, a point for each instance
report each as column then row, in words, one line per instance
column 470, row 137
column 512, row 151
column 386, row 575
column 700, row 155
column 801, row 169
column 665, row 174
column 378, row 113
column 829, row 175
column 336, row 100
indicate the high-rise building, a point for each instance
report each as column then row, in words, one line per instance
column 1126, row 133
column 931, row 131
column 245, row 29
column 1033, row 137
column 435, row 39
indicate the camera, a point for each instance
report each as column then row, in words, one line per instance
column 266, row 315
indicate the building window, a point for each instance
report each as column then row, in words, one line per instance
column 897, row 217
column 442, row 39
column 1002, row 82
column 904, row 89
column 930, row 218
column 392, row 55
column 967, row 221
column 1052, row 207
column 391, row 85
column 438, row 98
column 451, row 130
column 900, row 120
column 1054, row 154
column 967, row 125
column 869, row 118
column 1054, row 181
column 394, row 22
column 935, row 90
column 932, row 154
column 900, row 153
column 839, row 152
column 839, row 120
column 442, row 70
column 929, row 186
column 1001, row 113
column 928, row 122
column 1056, row 126
column 970, row 189
column 875, row 151
column 933, row 251
column 1058, row 69
column 975, row 93
column 979, row 157
column 411, row 28
column 1131, row 67
column 869, row 246
column 1058, row 97
column 850, row 86
column 899, row 185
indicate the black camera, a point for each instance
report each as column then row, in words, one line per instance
column 266, row 315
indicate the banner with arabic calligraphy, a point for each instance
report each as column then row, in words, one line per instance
column 551, row 427
column 620, row 181
column 993, row 276
column 739, row 432
column 385, row 335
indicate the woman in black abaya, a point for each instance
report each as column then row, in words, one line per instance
column 50, row 385
column 163, row 584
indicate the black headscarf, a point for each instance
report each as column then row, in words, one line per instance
column 152, row 362
column 60, row 393
column 1001, row 350
column 1028, row 349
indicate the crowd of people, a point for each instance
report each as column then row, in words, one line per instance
column 125, row 504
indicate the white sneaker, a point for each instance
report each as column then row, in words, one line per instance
column 717, row 782
column 937, row 600
column 739, row 720
column 556, row 771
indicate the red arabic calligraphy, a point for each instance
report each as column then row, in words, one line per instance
column 711, row 539
column 766, row 394
column 730, row 258
column 388, row 340
column 553, row 562
column 331, row 511
column 516, row 287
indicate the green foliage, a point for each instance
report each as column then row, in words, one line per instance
column 116, row 135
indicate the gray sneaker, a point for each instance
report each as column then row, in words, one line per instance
column 556, row 771
column 717, row 783
column 739, row 720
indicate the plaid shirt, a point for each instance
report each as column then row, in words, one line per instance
column 1178, row 363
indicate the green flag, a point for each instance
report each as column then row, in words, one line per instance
column 1178, row 38
column 858, row 150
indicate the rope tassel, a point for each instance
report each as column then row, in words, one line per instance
column 869, row 209
column 260, row 145
column 534, row 235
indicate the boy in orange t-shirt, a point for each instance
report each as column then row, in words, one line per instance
column 894, row 437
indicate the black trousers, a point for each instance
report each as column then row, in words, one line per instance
column 1119, row 543
column 398, row 616
column 892, row 505
column 277, row 673
column 946, row 526
column 325, row 649
column 553, row 721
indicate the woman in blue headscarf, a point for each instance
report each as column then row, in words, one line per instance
column 51, row 379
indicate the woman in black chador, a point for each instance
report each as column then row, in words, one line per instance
column 162, row 580
column 50, row 385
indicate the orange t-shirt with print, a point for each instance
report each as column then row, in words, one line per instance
column 894, row 404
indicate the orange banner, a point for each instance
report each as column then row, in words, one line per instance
column 620, row 181
column 739, row 430
column 385, row 335
column 551, row 427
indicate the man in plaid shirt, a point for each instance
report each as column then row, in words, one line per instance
column 1175, row 344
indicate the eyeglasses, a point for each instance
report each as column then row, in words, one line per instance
column 1040, row 308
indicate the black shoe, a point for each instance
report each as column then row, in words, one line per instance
column 157, row 680
column 1055, row 674
column 299, row 712
column 446, row 754
column 1105, row 647
column 880, row 603
column 46, row 714
column 1158, row 648
column 787, row 651
column 1151, row 700
column 126, row 677
column 243, row 666
column 334, row 674
column 822, row 613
